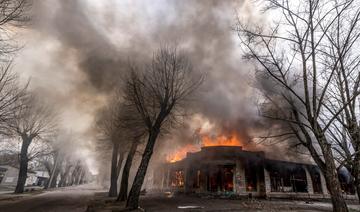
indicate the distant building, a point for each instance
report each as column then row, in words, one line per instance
column 31, row 178
column 9, row 176
column 42, row 176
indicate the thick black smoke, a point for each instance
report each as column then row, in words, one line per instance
column 92, row 41
column 202, row 28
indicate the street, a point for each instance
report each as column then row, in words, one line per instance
column 68, row 199
column 164, row 202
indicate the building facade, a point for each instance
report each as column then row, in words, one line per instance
column 9, row 176
column 232, row 170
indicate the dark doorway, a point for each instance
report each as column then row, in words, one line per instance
column 221, row 178
column 251, row 177
column 228, row 182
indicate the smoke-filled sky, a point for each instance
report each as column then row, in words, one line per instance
column 75, row 50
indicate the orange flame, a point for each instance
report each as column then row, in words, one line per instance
column 181, row 153
column 206, row 140
column 221, row 140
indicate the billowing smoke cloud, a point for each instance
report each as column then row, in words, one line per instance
column 76, row 52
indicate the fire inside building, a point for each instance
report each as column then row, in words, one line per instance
column 232, row 170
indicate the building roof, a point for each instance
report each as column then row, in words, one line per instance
column 229, row 153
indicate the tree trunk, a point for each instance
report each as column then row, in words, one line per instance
column 338, row 202
column 23, row 165
column 114, row 175
column 54, row 172
column 356, row 174
column 72, row 179
column 332, row 182
column 125, row 175
column 74, row 174
column 119, row 164
column 134, row 195
column 82, row 177
column 54, row 180
column 355, row 135
column 48, row 169
column 77, row 177
column 68, row 180
column 64, row 176
column 357, row 185
column 62, row 180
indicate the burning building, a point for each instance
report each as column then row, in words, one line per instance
column 232, row 170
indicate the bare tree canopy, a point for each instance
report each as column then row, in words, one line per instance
column 158, row 94
column 344, row 89
column 10, row 94
column 121, row 130
column 32, row 120
column 109, row 125
column 13, row 13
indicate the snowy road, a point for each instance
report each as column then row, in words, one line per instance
column 63, row 200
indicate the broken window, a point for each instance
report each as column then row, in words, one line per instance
column 287, row 178
column 177, row 178
column 298, row 180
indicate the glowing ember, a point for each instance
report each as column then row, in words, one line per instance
column 206, row 140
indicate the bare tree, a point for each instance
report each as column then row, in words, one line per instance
column 344, row 90
column 78, row 174
column 109, row 125
column 293, row 55
column 345, row 151
column 10, row 93
column 124, row 184
column 55, row 169
column 75, row 173
column 64, row 172
column 12, row 13
column 157, row 94
column 48, row 163
column 33, row 120
column 134, row 133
